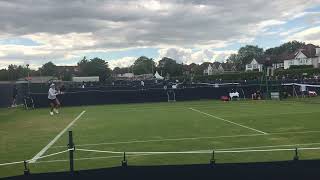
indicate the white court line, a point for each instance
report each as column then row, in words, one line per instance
column 189, row 138
column 44, row 150
column 227, row 121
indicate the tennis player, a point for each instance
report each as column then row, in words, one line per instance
column 53, row 100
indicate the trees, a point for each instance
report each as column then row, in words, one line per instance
column 169, row 66
column 118, row 70
column 94, row 67
column 286, row 47
column 143, row 65
column 15, row 72
column 245, row 55
column 49, row 69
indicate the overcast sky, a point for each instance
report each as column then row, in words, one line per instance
column 63, row 31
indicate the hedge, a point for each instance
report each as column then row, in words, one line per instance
column 297, row 73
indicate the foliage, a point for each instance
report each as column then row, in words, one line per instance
column 169, row 66
column 143, row 65
column 301, row 66
column 245, row 55
column 297, row 73
column 118, row 70
column 49, row 69
column 95, row 67
column 231, row 76
column 286, row 47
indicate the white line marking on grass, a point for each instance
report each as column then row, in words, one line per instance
column 161, row 140
column 44, row 150
column 189, row 138
column 94, row 158
column 259, row 147
column 227, row 121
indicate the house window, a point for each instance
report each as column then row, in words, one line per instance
column 249, row 66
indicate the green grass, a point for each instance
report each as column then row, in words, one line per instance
column 24, row 133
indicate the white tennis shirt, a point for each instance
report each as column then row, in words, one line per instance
column 52, row 94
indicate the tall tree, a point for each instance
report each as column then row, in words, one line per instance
column 169, row 66
column 286, row 47
column 94, row 67
column 49, row 69
column 15, row 72
column 143, row 65
column 246, row 54
column 118, row 70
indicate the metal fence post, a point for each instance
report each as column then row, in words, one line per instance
column 26, row 169
column 71, row 148
column 213, row 160
column 124, row 161
column 296, row 155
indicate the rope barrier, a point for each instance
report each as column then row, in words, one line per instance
column 161, row 152
column 11, row 163
column 200, row 151
column 164, row 152
column 29, row 161
column 54, row 154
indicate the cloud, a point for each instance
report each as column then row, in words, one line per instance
column 310, row 35
column 187, row 56
column 68, row 29
column 122, row 62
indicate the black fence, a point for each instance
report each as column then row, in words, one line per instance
column 135, row 93
column 90, row 96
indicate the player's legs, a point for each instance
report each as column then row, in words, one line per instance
column 14, row 102
column 56, row 106
column 52, row 107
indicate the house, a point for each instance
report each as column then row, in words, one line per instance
column 306, row 55
column 255, row 65
column 70, row 69
column 125, row 75
column 219, row 68
column 209, row 70
column 229, row 67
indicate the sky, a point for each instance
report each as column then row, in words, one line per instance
column 119, row 31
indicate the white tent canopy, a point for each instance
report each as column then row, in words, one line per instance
column 157, row 76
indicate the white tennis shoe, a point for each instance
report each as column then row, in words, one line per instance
column 56, row 111
column 51, row 113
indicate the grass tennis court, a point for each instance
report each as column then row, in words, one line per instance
column 159, row 127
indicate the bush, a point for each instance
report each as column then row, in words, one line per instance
column 301, row 67
column 297, row 73
column 231, row 76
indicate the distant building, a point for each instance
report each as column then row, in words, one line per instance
column 86, row 79
column 306, row 55
column 219, row 68
column 255, row 65
column 208, row 71
column 71, row 69
column 125, row 75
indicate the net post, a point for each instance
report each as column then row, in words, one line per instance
column 296, row 155
column 26, row 170
column 124, row 162
column 71, row 151
column 212, row 160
